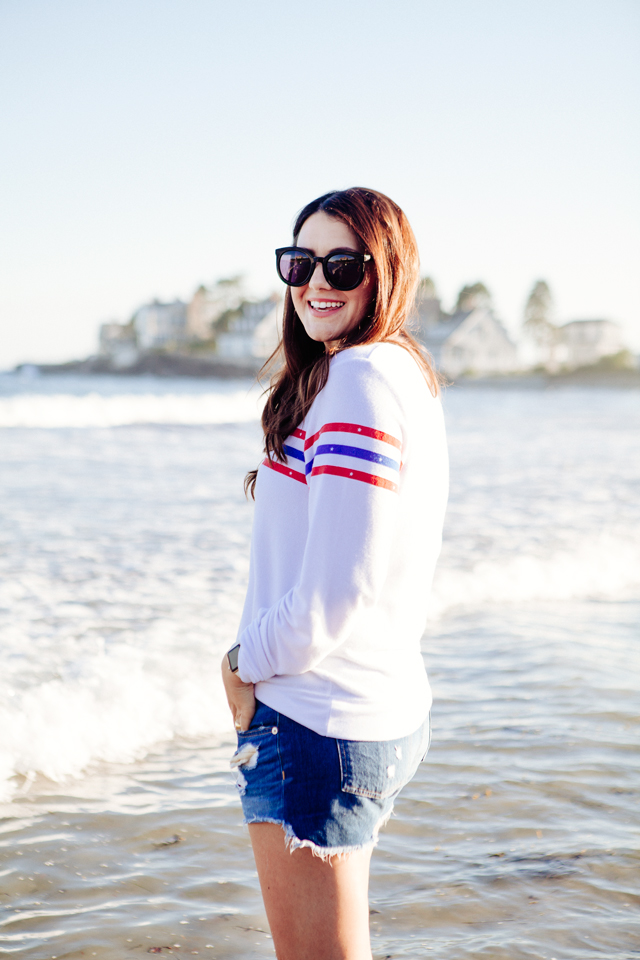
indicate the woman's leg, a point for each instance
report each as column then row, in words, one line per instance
column 317, row 910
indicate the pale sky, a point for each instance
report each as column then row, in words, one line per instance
column 148, row 147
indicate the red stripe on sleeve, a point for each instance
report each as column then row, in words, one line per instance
column 281, row 468
column 354, row 428
column 356, row 475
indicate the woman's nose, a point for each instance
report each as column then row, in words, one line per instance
column 318, row 279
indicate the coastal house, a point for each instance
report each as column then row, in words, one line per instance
column 579, row 343
column 468, row 342
column 160, row 325
column 584, row 342
column 208, row 304
column 202, row 311
column 253, row 331
column 117, row 344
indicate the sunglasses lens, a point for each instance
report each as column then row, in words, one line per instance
column 295, row 267
column 344, row 272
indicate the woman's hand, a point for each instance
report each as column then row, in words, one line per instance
column 240, row 696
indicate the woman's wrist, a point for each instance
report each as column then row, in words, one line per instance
column 240, row 695
column 232, row 676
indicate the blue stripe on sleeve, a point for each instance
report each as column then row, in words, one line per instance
column 357, row 452
column 292, row 452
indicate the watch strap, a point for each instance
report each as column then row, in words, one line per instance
column 232, row 657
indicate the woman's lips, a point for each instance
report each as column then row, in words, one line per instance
column 324, row 308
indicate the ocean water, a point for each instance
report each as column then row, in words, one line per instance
column 124, row 540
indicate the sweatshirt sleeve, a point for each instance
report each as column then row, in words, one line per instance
column 353, row 459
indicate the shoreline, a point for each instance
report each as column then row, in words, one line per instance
column 583, row 377
column 158, row 365
column 182, row 365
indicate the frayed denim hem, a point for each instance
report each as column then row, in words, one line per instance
column 323, row 853
column 292, row 842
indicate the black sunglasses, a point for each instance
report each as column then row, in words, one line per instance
column 342, row 269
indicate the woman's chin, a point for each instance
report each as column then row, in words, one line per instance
column 323, row 331
column 315, row 332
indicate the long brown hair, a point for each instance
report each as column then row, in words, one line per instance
column 303, row 363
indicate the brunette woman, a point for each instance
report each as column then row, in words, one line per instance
column 326, row 683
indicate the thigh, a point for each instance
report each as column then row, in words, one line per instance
column 318, row 909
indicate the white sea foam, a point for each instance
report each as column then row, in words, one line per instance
column 116, row 703
column 117, row 706
column 605, row 568
column 124, row 555
column 98, row 410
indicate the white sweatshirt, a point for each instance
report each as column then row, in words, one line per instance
column 345, row 539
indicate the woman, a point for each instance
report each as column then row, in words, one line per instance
column 326, row 684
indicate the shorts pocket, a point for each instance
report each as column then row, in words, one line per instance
column 264, row 722
column 257, row 738
column 380, row 768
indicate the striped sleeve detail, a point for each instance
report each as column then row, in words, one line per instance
column 356, row 475
column 294, row 451
column 360, row 453
column 353, row 428
column 284, row 469
column 373, row 459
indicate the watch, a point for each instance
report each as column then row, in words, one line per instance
column 232, row 657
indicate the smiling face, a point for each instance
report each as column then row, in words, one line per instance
column 328, row 314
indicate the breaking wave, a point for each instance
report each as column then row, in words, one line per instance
column 98, row 410
column 122, row 583
column 117, row 702
column 603, row 568
column 114, row 707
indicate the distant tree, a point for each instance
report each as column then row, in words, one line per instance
column 623, row 360
column 538, row 314
column 225, row 298
column 230, row 283
column 539, row 308
column 228, row 318
column 473, row 295
column 228, row 292
column 207, row 307
column 426, row 289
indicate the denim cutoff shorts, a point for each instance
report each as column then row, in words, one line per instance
column 330, row 795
